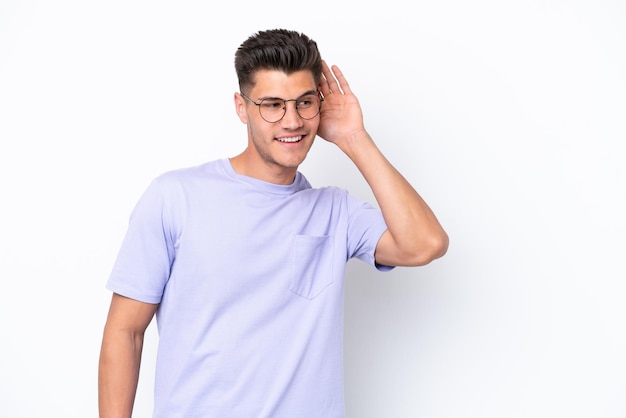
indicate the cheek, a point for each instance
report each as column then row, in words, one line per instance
column 258, row 130
column 314, row 124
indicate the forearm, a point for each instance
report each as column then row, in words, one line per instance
column 415, row 235
column 118, row 374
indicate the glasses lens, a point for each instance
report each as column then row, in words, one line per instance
column 308, row 106
column 272, row 110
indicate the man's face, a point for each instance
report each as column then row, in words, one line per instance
column 279, row 147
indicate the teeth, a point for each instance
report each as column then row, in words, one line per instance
column 291, row 139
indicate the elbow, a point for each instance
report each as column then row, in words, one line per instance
column 429, row 250
column 413, row 250
column 440, row 246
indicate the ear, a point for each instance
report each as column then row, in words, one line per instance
column 240, row 108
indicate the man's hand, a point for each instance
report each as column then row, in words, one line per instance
column 341, row 118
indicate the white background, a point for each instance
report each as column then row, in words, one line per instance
column 507, row 116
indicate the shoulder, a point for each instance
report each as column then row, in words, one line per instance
column 177, row 184
column 337, row 198
column 339, row 194
column 191, row 172
column 330, row 193
column 188, row 176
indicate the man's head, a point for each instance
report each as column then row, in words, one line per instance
column 279, row 74
column 277, row 49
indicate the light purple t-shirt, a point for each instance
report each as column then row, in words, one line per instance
column 249, row 278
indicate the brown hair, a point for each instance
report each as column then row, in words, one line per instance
column 276, row 49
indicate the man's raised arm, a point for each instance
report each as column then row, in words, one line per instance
column 414, row 236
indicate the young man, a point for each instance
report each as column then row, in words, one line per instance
column 243, row 262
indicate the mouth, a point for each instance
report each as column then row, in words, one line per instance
column 290, row 139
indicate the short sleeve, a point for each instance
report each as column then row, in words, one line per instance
column 365, row 227
column 142, row 267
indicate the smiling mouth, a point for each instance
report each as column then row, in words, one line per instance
column 290, row 139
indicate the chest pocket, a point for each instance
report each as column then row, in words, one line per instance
column 312, row 265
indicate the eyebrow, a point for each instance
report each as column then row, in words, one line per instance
column 307, row 93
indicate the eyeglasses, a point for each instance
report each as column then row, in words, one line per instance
column 273, row 110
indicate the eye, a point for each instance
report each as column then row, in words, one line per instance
column 306, row 101
column 272, row 104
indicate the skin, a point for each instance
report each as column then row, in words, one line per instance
column 266, row 157
column 120, row 355
column 414, row 236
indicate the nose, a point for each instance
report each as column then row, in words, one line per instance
column 291, row 119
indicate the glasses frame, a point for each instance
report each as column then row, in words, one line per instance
column 258, row 105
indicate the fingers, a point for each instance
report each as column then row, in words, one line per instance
column 343, row 83
column 324, row 82
column 333, row 80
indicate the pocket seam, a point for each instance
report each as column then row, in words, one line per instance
column 306, row 282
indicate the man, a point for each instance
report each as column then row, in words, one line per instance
column 242, row 261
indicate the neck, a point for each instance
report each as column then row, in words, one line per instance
column 271, row 173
